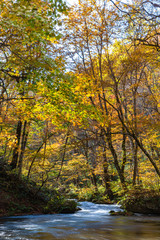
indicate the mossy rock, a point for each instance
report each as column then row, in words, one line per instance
column 121, row 213
column 60, row 205
column 142, row 201
column 69, row 206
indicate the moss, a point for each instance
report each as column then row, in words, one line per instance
column 69, row 206
column 61, row 205
column 142, row 201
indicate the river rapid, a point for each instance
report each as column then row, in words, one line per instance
column 93, row 222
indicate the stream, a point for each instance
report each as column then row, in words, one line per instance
column 93, row 222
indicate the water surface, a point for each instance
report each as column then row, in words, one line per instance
column 93, row 222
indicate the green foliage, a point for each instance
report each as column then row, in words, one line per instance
column 88, row 193
column 82, row 194
column 118, row 190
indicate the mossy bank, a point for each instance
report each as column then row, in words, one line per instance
column 20, row 197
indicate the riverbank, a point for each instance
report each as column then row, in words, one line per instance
column 21, row 197
column 140, row 200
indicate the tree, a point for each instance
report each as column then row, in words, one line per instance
column 142, row 18
column 27, row 37
column 113, row 79
column 90, row 36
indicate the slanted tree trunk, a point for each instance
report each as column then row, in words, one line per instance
column 35, row 156
column 63, row 154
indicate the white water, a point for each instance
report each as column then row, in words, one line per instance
column 93, row 222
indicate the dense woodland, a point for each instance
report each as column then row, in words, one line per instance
column 79, row 95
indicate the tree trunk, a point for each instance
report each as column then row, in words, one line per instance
column 135, row 161
column 124, row 154
column 16, row 149
column 34, row 158
column 113, row 152
column 23, row 146
column 106, row 175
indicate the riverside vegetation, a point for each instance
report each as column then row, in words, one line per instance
column 19, row 197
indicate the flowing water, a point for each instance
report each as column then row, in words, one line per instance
column 93, row 222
